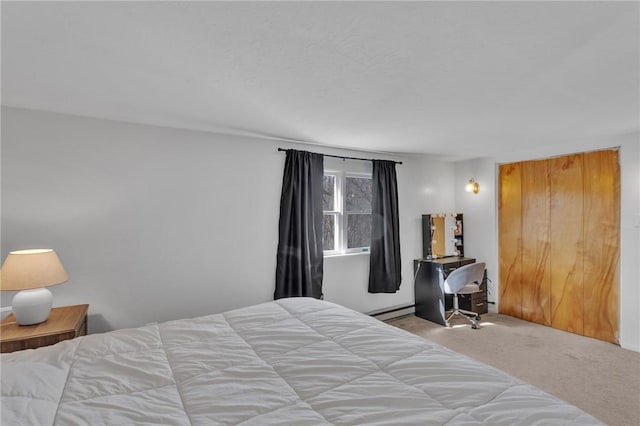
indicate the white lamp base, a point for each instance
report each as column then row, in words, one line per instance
column 32, row 306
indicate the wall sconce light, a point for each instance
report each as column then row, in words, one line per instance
column 472, row 186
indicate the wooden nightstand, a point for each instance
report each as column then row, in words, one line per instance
column 64, row 323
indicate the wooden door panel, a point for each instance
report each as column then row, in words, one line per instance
column 509, row 239
column 602, row 244
column 567, row 243
column 559, row 242
column 536, row 278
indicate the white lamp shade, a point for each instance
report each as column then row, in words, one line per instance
column 29, row 269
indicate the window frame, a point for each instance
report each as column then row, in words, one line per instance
column 340, row 213
column 337, row 208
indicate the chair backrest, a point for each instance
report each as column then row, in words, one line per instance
column 472, row 273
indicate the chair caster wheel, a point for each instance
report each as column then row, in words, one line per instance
column 474, row 326
column 478, row 317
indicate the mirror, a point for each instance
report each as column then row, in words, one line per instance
column 442, row 235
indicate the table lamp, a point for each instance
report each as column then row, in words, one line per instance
column 30, row 271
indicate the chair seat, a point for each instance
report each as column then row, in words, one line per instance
column 469, row 288
column 465, row 279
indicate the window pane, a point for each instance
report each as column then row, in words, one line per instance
column 358, row 195
column 328, row 232
column 328, row 191
column 358, row 230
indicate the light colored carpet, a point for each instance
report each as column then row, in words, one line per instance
column 600, row 378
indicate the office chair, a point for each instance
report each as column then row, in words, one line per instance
column 464, row 280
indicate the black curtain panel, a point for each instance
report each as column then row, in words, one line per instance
column 384, row 269
column 299, row 261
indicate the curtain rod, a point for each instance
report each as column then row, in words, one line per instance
column 343, row 157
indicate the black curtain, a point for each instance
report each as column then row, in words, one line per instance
column 384, row 269
column 299, row 261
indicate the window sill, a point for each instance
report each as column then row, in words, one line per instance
column 356, row 253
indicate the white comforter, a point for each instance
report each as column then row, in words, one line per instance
column 293, row 361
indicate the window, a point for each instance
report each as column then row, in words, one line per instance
column 346, row 206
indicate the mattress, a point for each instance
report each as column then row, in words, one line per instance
column 294, row 361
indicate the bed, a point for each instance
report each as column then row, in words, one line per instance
column 295, row 361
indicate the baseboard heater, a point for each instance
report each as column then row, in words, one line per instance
column 394, row 312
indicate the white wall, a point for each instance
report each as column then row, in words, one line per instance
column 481, row 218
column 155, row 224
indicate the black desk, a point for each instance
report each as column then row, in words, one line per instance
column 431, row 302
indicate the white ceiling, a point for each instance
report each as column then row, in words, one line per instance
column 456, row 78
